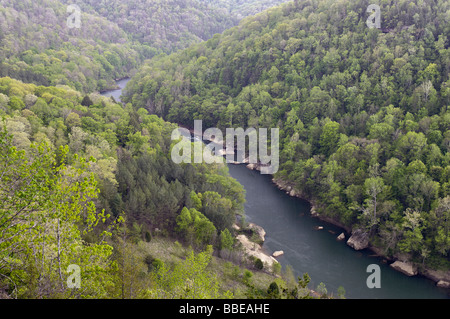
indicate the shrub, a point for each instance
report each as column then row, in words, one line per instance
column 273, row 291
column 259, row 264
column 247, row 276
column 148, row 236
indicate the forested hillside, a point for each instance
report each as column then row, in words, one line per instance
column 244, row 8
column 170, row 25
column 166, row 25
column 76, row 166
column 114, row 38
column 87, row 182
column 363, row 113
column 37, row 46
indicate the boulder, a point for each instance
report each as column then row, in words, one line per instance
column 278, row 253
column 358, row 240
column 341, row 236
column 253, row 249
column 437, row 275
column 443, row 284
column 258, row 230
column 405, row 267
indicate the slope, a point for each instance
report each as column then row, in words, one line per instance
column 363, row 113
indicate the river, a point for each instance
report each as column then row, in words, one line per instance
column 291, row 228
column 117, row 93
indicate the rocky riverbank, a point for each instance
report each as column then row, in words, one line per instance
column 251, row 239
column 358, row 240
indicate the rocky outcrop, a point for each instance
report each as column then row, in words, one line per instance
column 359, row 240
column 443, row 284
column 405, row 267
column 442, row 278
column 255, row 250
column 341, row 236
column 258, row 230
column 286, row 187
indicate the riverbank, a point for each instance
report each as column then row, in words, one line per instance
column 115, row 87
column 358, row 240
column 251, row 239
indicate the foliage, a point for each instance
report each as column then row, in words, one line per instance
column 38, row 47
column 129, row 174
column 363, row 113
column 188, row 280
column 46, row 210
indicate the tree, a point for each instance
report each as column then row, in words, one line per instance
column 226, row 240
column 273, row 291
column 46, row 209
column 322, row 290
column 412, row 232
column 218, row 209
column 329, row 138
column 188, row 279
column 195, row 226
column 303, row 282
column 131, row 280
column 373, row 186
column 73, row 119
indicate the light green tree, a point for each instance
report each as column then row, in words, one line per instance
column 188, row 279
column 47, row 208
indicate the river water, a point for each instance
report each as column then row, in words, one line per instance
column 117, row 93
column 291, row 228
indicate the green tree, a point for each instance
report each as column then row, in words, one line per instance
column 188, row 279
column 329, row 138
column 46, row 210
column 226, row 240
column 273, row 291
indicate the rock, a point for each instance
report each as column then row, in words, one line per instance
column 258, row 230
column 341, row 236
column 278, row 253
column 358, row 240
column 251, row 166
column 437, row 275
column 443, row 284
column 236, row 227
column 248, row 245
column 404, row 267
column 253, row 249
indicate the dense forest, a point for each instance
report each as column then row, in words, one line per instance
column 170, row 25
column 69, row 160
column 114, row 38
column 37, row 46
column 363, row 112
column 87, row 181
